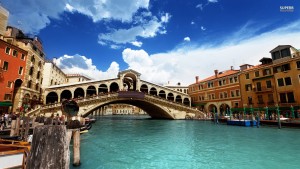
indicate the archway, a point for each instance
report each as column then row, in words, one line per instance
column 224, row 109
column 114, row 87
column 153, row 91
column 144, row 88
column 91, row 90
column 78, row 93
column 178, row 99
column 51, row 97
column 102, row 89
column 66, row 94
column 186, row 101
column 129, row 82
column 170, row 96
column 162, row 94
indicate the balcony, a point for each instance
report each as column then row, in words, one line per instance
column 263, row 89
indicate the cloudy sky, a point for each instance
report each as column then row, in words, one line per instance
column 164, row 40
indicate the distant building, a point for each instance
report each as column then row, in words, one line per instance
column 73, row 78
column 12, row 74
column 218, row 93
column 53, row 75
column 31, row 92
column 178, row 87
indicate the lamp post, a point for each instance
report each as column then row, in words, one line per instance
column 266, row 113
column 292, row 112
column 278, row 116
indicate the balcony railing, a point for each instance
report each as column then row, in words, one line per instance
column 264, row 89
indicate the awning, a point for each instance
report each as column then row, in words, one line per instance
column 6, row 104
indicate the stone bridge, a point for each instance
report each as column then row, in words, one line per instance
column 158, row 101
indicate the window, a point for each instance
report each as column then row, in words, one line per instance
column 237, row 92
column 235, row 79
column 224, row 81
column 5, row 65
column 248, row 87
column 232, row 93
column 298, row 64
column 221, row 95
column 280, row 82
column 38, row 75
column 32, row 59
column 249, row 100
column 225, row 94
column 220, row 83
column 269, row 84
column 286, row 67
column 20, row 70
column 275, row 55
column 7, row 97
column 209, row 97
column 213, row 96
column 270, row 99
column 231, row 80
column 266, row 72
column 37, row 86
column 258, row 86
column 288, row 81
column 7, row 50
column 290, row 97
column 29, row 84
column 282, row 98
column 15, row 53
column 285, row 52
column 31, row 71
column 9, row 84
column 257, row 74
column 260, row 99
column 23, row 56
column 247, row 75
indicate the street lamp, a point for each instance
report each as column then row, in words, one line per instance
column 278, row 116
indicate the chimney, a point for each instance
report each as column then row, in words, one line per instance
column 216, row 73
column 197, row 79
column 54, row 60
column 231, row 67
column 178, row 83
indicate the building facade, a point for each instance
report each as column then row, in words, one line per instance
column 273, row 83
column 218, row 93
column 31, row 92
column 12, row 73
column 52, row 75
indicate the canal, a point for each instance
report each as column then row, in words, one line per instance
column 137, row 142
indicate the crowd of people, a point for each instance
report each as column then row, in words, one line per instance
column 6, row 118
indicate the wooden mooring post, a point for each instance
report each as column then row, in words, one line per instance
column 50, row 148
column 76, row 147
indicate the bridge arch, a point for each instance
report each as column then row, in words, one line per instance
column 151, row 109
column 65, row 94
column 51, row 97
column 102, row 88
column 153, row 91
column 144, row 88
column 130, row 81
column 91, row 90
column 162, row 94
column 178, row 99
column 170, row 96
column 79, row 92
column 114, row 87
column 186, row 101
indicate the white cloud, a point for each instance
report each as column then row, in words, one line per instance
column 203, row 28
column 137, row 43
column 71, row 64
column 187, row 39
column 33, row 15
column 212, row 1
column 192, row 23
column 146, row 30
column 183, row 64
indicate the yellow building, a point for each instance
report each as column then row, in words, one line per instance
column 275, row 82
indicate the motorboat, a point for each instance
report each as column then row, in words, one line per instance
column 13, row 154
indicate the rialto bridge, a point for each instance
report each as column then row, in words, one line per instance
column 158, row 101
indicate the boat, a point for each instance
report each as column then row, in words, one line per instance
column 13, row 154
column 89, row 120
column 86, row 127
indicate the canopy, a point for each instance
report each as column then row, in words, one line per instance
column 6, row 104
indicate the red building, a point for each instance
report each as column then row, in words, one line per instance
column 12, row 70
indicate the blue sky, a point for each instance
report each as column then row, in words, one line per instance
column 165, row 40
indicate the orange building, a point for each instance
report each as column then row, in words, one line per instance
column 218, row 93
column 12, row 71
column 275, row 82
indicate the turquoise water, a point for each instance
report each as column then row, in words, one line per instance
column 131, row 142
